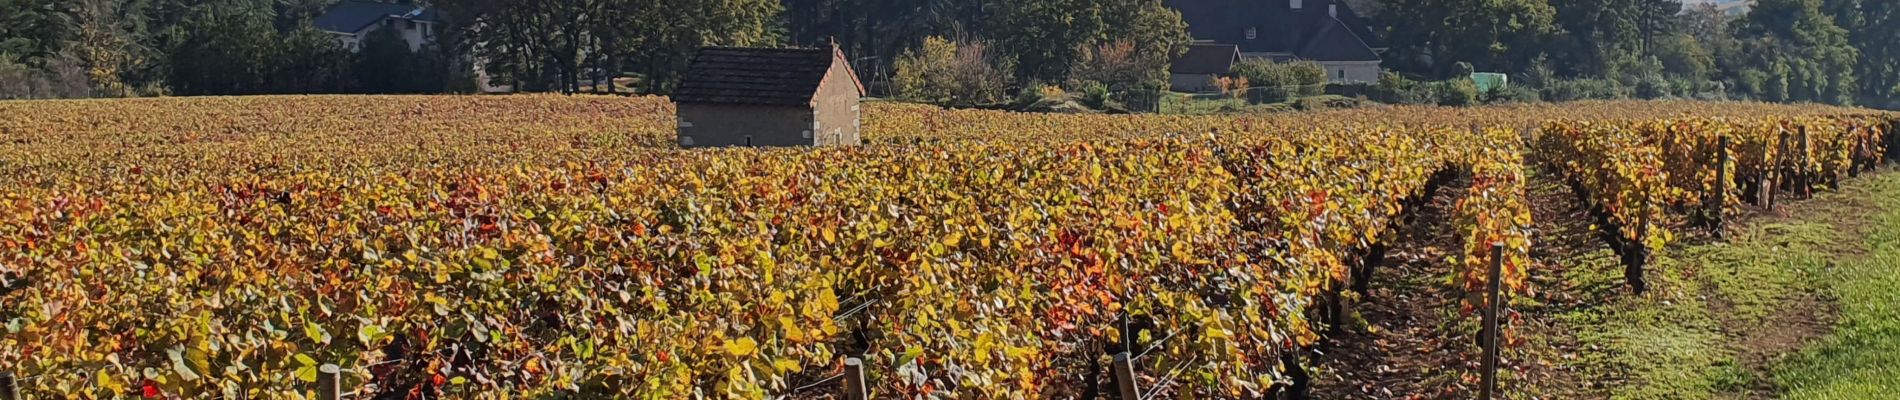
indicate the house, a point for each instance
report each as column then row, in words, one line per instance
column 768, row 97
column 352, row 22
column 1323, row 31
column 1196, row 70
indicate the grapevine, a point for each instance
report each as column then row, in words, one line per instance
column 545, row 246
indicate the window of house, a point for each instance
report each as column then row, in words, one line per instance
column 1252, row 33
column 409, row 24
column 1342, row 74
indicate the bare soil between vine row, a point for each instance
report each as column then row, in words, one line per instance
column 1410, row 339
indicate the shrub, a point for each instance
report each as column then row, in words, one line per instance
column 1310, row 76
column 1584, row 89
column 1270, row 81
column 1456, row 92
column 1118, row 64
column 1396, row 89
column 1538, row 75
column 1653, row 87
column 951, row 74
column 1512, row 94
column 1391, row 87
column 1235, row 87
column 1278, row 82
column 1356, row 89
column 1681, row 87
column 1631, row 71
column 1095, row 95
column 1711, row 91
column 1036, row 94
column 1140, row 97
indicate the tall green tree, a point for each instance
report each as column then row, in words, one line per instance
column 293, row 14
column 106, row 46
column 555, row 44
column 1873, row 27
column 1684, row 56
column 674, row 31
column 308, row 60
column 1431, row 36
column 222, row 52
column 1048, row 38
column 1158, row 35
column 1796, row 37
column 1045, row 36
column 32, row 31
column 1603, row 36
column 1712, row 31
column 875, row 32
column 35, row 51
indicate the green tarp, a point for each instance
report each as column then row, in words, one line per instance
column 1488, row 81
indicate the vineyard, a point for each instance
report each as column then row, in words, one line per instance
column 547, row 246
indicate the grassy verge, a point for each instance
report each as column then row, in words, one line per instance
column 1725, row 315
column 1861, row 358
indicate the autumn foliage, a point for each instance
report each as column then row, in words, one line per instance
column 537, row 246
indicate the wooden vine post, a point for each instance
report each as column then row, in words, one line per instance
column 1860, row 152
column 1833, row 179
column 1893, row 143
column 329, row 382
column 1721, row 186
column 1772, row 183
column 854, row 383
column 1493, row 301
column 1125, row 376
column 1806, row 179
column 9, row 387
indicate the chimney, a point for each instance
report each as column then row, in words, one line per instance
column 1295, row 4
column 1332, row 10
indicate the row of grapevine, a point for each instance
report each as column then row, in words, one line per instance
column 1633, row 175
column 536, row 246
column 715, row 272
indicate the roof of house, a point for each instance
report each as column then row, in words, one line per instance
column 1312, row 32
column 759, row 76
column 352, row 16
column 1335, row 42
column 1206, row 59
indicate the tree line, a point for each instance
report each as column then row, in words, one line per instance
column 1830, row 51
column 1834, row 51
column 116, row 48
